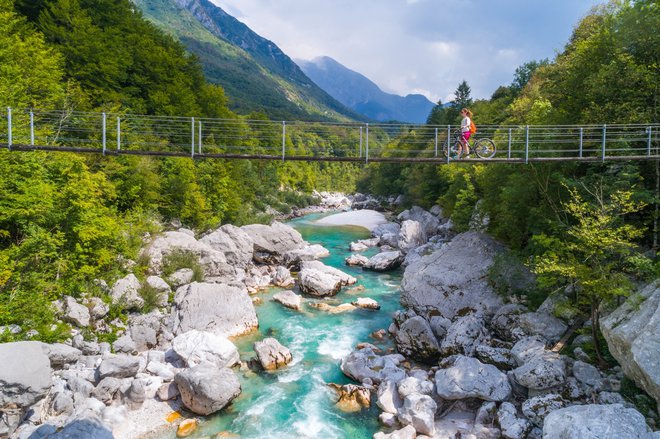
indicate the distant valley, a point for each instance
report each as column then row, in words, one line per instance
column 362, row 95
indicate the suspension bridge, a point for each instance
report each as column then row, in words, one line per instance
column 205, row 138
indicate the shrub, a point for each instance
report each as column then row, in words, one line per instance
column 151, row 297
column 180, row 258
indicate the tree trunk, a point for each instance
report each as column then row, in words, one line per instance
column 595, row 321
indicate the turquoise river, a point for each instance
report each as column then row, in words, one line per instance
column 295, row 401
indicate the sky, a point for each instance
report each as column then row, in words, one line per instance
column 418, row 46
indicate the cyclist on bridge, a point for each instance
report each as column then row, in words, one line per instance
column 466, row 130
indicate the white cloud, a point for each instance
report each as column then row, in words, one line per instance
column 417, row 46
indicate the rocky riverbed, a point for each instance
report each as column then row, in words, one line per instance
column 456, row 360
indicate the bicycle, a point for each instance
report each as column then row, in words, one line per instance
column 484, row 147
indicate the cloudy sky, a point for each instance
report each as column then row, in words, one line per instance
column 418, row 46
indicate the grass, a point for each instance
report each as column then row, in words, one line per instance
column 151, row 297
column 180, row 258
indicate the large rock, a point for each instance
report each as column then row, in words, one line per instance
column 542, row 372
column 233, row 242
column 415, row 339
column 544, row 325
column 25, row 378
column 537, row 408
column 213, row 261
column 512, row 426
column 389, row 399
column 411, row 235
column 364, row 364
column 289, row 299
column 357, row 260
column 197, row 347
column 419, row 411
column 632, row 332
column 388, row 234
column 75, row 312
column 282, row 278
column 428, row 220
column 270, row 243
column 318, row 283
column 596, row 422
column 498, row 357
column 385, row 261
column 293, row 258
column 318, row 279
column 352, row 398
column 414, row 384
column 271, row 354
column 126, row 291
column 469, row 378
column 88, row 427
column 407, row 432
column 217, row 308
column 463, row 336
column 454, row 279
column 118, row 366
column 206, row 389
column 60, row 354
column 506, row 322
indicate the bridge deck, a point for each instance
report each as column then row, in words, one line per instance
column 204, row 138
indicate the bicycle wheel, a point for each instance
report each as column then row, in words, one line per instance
column 455, row 151
column 485, row 148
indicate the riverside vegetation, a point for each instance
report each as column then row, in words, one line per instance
column 69, row 224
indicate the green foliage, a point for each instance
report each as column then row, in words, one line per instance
column 525, row 72
column 509, row 277
column 180, row 258
column 591, row 254
column 633, row 394
column 31, row 73
column 151, row 297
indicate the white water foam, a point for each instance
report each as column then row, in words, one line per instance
column 259, row 406
column 318, row 421
column 338, row 344
column 291, row 375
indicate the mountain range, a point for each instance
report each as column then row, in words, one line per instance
column 362, row 95
column 258, row 76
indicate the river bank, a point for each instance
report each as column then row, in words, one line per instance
column 456, row 359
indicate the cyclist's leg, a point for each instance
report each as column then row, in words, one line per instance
column 465, row 145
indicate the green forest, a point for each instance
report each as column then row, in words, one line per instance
column 66, row 220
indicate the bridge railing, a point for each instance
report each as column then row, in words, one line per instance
column 111, row 133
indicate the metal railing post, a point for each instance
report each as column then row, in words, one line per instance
column 367, row 146
column 283, row 139
column 199, row 138
column 118, row 133
column 526, row 144
column 360, row 142
column 604, row 140
column 10, row 139
column 648, row 142
column 448, row 143
column 104, row 132
column 192, row 137
column 581, row 140
column 508, row 156
column 436, row 142
column 31, row 128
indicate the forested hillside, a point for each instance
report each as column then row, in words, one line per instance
column 66, row 220
column 255, row 73
column 583, row 225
